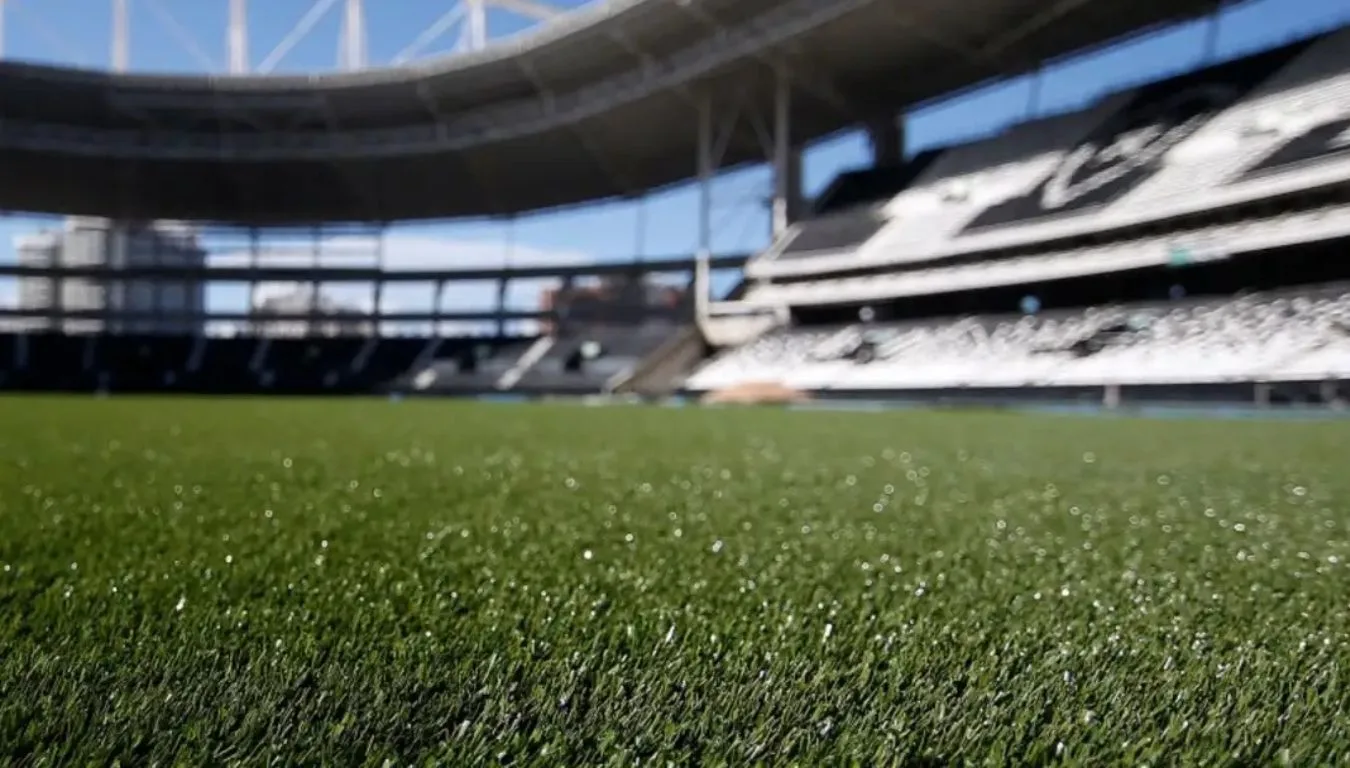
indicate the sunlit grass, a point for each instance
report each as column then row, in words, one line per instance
column 202, row 582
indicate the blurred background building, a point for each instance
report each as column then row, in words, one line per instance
column 91, row 305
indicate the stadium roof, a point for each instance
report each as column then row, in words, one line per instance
column 602, row 104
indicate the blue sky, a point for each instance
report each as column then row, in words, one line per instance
column 189, row 36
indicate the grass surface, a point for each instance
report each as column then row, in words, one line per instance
column 354, row 582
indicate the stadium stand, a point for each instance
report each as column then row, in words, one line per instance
column 1294, row 336
column 1186, row 234
column 1239, row 131
column 1216, row 184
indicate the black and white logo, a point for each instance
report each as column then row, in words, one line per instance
column 1130, row 147
column 1327, row 140
column 1091, row 168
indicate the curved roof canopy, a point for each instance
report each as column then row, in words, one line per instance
column 603, row 103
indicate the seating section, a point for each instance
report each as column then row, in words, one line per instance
column 1287, row 336
column 1269, row 124
column 592, row 358
column 583, row 361
column 1324, row 222
column 834, row 232
column 469, row 367
column 869, row 186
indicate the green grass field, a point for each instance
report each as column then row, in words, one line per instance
column 209, row 582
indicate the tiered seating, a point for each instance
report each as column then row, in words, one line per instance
column 1270, row 124
column 141, row 363
column 835, row 232
column 58, row 361
column 225, row 366
column 1276, row 337
column 1215, row 241
column 468, row 367
column 323, row 364
column 389, row 359
column 588, row 358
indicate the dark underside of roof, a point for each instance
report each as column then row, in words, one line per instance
column 865, row 65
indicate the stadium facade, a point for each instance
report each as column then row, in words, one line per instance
column 1174, row 241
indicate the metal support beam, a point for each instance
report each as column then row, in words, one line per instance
column 503, row 283
column 237, row 37
column 887, row 138
column 254, row 253
column 315, row 286
column 121, row 36
column 705, row 174
column 787, row 159
column 1213, row 29
column 476, row 30
column 438, row 298
column 302, row 28
column 378, row 305
column 530, row 9
column 182, row 35
column 432, row 33
column 352, row 51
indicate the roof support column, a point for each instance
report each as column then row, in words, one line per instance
column 255, row 323
column 888, row 142
column 313, row 327
column 377, row 305
column 705, row 173
column 121, row 36
column 704, row 170
column 238, row 37
column 504, row 282
column 787, row 159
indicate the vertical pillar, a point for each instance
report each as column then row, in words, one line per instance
column 437, row 298
column 704, row 170
column 121, row 40
column 787, row 160
column 1037, row 87
column 640, row 233
column 476, row 24
column 378, row 306
column 353, row 52
column 254, row 252
column 313, row 327
column 238, row 37
column 156, row 283
column 887, row 138
column 2, row 30
column 1261, row 394
column 705, row 174
column 503, row 283
column 1213, row 26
